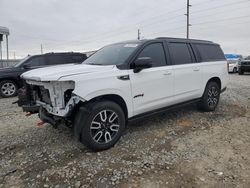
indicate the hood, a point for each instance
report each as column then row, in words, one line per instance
column 54, row 73
column 8, row 70
column 245, row 60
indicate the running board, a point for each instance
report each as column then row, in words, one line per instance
column 161, row 110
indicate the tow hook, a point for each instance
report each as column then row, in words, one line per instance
column 46, row 118
column 40, row 124
column 28, row 114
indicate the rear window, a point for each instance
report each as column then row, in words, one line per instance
column 210, row 52
column 56, row 59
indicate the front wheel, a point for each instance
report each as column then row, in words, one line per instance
column 234, row 70
column 102, row 126
column 210, row 98
column 8, row 88
column 241, row 72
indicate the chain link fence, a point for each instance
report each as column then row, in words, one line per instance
column 8, row 63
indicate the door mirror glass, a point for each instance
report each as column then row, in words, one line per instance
column 142, row 63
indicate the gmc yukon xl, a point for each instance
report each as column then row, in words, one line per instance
column 125, row 81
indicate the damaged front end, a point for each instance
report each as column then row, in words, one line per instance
column 53, row 100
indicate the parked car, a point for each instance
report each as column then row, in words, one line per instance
column 233, row 62
column 123, row 82
column 10, row 77
column 244, row 66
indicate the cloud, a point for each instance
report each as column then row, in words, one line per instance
column 81, row 25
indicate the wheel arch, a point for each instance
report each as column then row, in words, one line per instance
column 114, row 98
column 11, row 79
column 216, row 80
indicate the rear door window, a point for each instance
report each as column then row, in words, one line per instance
column 56, row 59
column 77, row 58
column 210, row 52
column 156, row 52
column 180, row 53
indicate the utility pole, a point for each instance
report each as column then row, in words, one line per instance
column 41, row 49
column 7, row 47
column 1, row 55
column 139, row 34
column 188, row 14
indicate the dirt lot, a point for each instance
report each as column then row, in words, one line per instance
column 182, row 148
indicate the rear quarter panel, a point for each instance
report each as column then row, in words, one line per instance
column 215, row 69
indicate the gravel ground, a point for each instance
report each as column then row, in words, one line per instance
column 181, row 148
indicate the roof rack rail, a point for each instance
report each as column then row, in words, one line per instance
column 184, row 39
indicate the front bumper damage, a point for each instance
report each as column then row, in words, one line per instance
column 52, row 100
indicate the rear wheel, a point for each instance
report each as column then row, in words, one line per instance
column 101, row 127
column 210, row 98
column 8, row 88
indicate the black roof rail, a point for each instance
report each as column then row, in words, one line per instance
column 185, row 40
column 62, row 53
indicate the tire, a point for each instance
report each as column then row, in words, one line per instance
column 99, row 125
column 241, row 72
column 210, row 98
column 234, row 70
column 8, row 88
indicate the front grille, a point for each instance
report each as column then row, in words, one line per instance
column 39, row 93
column 246, row 63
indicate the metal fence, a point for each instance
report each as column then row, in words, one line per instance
column 8, row 63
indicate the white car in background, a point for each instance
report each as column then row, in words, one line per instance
column 233, row 62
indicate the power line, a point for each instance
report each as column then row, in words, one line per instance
column 111, row 35
column 226, row 19
column 224, row 5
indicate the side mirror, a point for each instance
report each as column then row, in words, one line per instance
column 142, row 63
column 26, row 66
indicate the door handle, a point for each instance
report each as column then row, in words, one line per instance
column 167, row 73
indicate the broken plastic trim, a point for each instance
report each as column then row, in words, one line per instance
column 63, row 112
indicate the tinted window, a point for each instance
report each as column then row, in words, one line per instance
column 210, row 52
column 35, row 61
column 77, row 58
column 180, row 53
column 56, row 59
column 156, row 52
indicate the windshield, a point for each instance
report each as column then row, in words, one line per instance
column 21, row 62
column 115, row 54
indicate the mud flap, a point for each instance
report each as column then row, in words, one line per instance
column 79, row 119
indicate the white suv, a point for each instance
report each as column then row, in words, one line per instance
column 125, row 81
